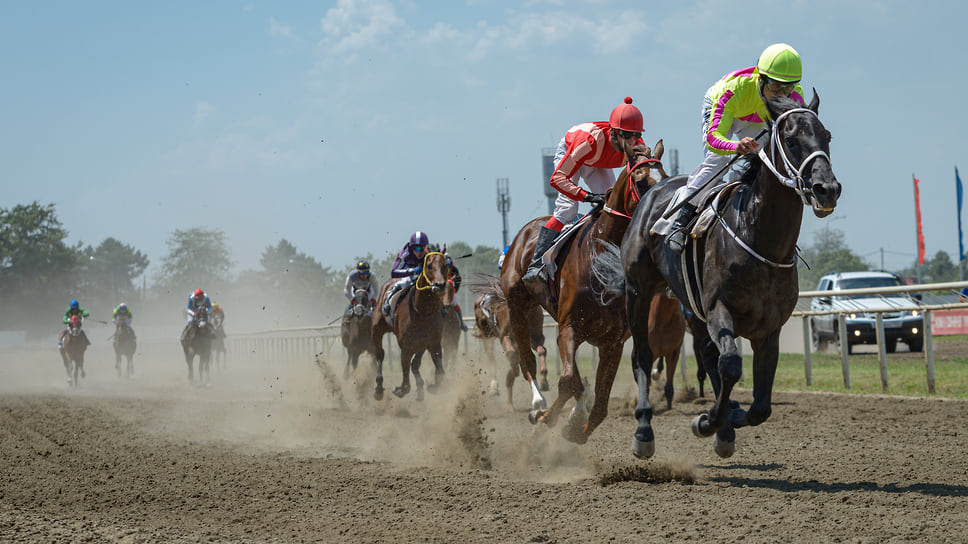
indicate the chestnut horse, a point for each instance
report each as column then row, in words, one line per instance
column 198, row 341
column 417, row 322
column 573, row 298
column 491, row 319
column 450, row 336
column 667, row 330
column 73, row 350
column 742, row 276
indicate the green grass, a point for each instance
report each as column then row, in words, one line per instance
column 906, row 373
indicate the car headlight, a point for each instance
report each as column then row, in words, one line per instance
column 852, row 316
column 915, row 313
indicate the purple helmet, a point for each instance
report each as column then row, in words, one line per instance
column 419, row 238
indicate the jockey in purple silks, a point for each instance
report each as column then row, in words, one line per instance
column 408, row 266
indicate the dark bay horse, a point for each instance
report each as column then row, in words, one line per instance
column 198, row 341
column 125, row 345
column 73, row 350
column 450, row 335
column 218, row 341
column 578, row 308
column 492, row 321
column 356, row 330
column 417, row 322
column 747, row 278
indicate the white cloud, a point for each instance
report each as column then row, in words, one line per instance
column 278, row 29
column 203, row 110
column 357, row 24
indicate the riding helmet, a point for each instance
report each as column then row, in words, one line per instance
column 199, row 293
column 780, row 62
column 419, row 238
column 75, row 305
column 626, row 117
column 363, row 266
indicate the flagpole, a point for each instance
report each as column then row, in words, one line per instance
column 917, row 227
column 959, row 192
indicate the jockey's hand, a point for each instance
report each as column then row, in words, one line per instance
column 747, row 145
column 372, row 302
column 415, row 270
column 596, row 200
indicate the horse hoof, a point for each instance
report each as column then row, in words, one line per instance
column 533, row 416
column 724, row 448
column 492, row 388
column 433, row 388
column 544, row 386
column 378, row 394
column 420, row 394
column 655, row 375
column 643, row 450
column 400, row 392
column 700, row 421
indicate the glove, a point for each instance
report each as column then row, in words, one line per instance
column 416, row 270
column 596, row 200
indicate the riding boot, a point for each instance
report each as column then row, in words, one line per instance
column 546, row 238
column 386, row 303
column 460, row 319
column 60, row 340
column 676, row 239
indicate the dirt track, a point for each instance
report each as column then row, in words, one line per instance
column 293, row 454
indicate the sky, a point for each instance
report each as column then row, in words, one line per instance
column 343, row 126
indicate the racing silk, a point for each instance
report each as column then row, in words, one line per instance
column 125, row 314
column 71, row 311
column 454, row 275
column 192, row 305
column 588, row 145
column 405, row 261
column 354, row 282
column 219, row 313
column 737, row 96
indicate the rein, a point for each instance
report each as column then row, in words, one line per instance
column 630, row 188
column 423, row 273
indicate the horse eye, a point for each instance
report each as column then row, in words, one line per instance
column 791, row 141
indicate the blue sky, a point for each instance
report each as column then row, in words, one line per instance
column 343, row 126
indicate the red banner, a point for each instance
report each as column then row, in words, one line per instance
column 945, row 322
column 917, row 209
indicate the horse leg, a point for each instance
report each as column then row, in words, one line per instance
column 610, row 356
column 658, row 368
column 766, row 353
column 637, row 302
column 405, row 358
column 670, row 390
column 437, row 358
column 418, row 380
column 569, row 384
column 543, row 357
column 730, row 367
column 514, row 369
column 521, row 336
column 130, row 365
column 378, row 353
column 117, row 360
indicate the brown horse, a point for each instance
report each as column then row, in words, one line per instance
column 72, row 352
column 574, row 299
column 125, row 345
column 667, row 329
column 417, row 322
column 450, row 336
column 492, row 319
column 356, row 331
column 198, row 341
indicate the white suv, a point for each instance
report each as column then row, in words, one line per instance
column 860, row 312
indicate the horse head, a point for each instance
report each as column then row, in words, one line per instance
column 637, row 177
column 802, row 144
column 75, row 325
column 361, row 301
column 201, row 317
column 434, row 273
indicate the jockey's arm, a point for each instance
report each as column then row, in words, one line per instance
column 567, row 168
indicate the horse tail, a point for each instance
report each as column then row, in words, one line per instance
column 489, row 284
column 607, row 267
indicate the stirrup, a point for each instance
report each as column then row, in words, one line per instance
column 535, row 274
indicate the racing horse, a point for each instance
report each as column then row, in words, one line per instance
column 743, row 278
column 667, row 330
column 125, row 345
column 450, row 335
column 218, row 341
column 491, row 319
column 573, row 298
column 355, row 331
column 417, row 322
column 198, row 341
column 73, row 350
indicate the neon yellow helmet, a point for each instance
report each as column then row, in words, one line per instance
column 780, row 62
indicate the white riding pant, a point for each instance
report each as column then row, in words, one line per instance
column 713, row 162
column 598, row 180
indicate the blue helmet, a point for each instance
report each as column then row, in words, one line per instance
column 964, row 292
column 75, row 305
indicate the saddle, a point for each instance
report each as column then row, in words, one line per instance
column 556, row 248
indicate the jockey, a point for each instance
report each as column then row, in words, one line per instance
column 500, row 260
column 453, row 274
column 408, row 266
column 218, row 314
column 588, row 151
column 123, row 315
column 359, row 279
column 196, row 300
column 73, row 309
column 733, row 113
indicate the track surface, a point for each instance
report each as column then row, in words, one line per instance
column 293, row 453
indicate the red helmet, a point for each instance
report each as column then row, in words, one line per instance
column 199, row 293
column 626, row 117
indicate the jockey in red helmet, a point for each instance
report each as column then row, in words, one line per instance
column 588, row 151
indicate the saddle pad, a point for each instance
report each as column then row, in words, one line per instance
column 552, row 253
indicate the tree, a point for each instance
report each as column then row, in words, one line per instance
column 829, row 253
column 938, row 269
column 108, row 271
column 37, row 267
column 197, row 257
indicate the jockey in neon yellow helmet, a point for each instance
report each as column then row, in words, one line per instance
column 734, row 111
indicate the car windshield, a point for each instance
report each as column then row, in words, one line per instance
column 871, row 283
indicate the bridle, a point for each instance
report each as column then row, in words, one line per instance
column 793, row 177
column 630, row 188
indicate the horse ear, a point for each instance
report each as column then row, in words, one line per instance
column 444, row 250
column 815, row 103
column 659, row 150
